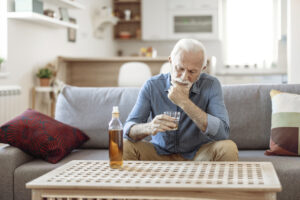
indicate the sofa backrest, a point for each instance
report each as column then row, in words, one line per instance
column 89, row 109
column 249, row 108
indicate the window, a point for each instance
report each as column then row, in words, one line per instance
column 3, row 29
column 251, row 30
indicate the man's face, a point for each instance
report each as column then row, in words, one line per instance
column 186, row 67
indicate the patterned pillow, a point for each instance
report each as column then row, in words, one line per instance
column 41, row 136
column 285, row 128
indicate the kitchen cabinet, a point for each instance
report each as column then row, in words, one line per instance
column 176, row 19
column 154, row 18
column 199, row 19
column 129, row 24
column 100, row 72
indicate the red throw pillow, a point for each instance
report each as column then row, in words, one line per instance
column 41, row 136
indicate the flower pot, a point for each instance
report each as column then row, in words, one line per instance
column 45, row 82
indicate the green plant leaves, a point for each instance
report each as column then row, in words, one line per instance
column 44, row 73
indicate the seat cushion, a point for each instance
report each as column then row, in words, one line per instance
column 287, row 168
column 36, row 168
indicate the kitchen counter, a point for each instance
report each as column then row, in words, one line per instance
column 100, row 72
column 114, row 59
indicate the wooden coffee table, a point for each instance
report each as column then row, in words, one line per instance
column 95, row 180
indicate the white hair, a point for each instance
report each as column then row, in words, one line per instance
column 189, row 45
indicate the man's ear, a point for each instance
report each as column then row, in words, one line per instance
column 170, row 61
column 204, row 68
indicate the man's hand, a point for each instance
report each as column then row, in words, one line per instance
column 179, row 93
column 160, row 123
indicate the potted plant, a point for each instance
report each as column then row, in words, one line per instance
column 44, row 74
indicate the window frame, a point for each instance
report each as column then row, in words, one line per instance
column 276, row 30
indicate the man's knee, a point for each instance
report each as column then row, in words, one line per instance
column 127, row 145
column 128, row 150
column 229, row 145
column 229, row 150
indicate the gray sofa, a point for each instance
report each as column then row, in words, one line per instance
column 89, row 109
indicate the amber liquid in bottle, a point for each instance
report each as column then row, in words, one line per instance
column 115, row 132
column 116, row 148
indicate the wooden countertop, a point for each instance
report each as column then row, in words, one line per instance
column 112, row 59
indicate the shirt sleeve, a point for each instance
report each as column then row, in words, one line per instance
column 140, row 112
column 217, row 115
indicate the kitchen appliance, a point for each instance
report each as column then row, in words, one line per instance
column 199, row 19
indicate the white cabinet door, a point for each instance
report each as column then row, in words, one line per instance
column 180, row 4
column 154, row 19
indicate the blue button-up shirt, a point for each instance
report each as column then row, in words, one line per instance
column 153, row 100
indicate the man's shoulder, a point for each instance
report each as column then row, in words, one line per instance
column 159, row 79
column 208, row 79
column 156, row 83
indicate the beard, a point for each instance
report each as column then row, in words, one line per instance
column 179, row 81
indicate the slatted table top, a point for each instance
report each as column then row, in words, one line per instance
column 143, row 175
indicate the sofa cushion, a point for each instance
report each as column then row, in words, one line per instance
column 287, row 168
column 41, row 136
column 31, row 170
column 284, row 138
column 249, row 109
column 89, row 109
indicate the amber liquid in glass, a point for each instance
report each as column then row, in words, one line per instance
column 116, row 148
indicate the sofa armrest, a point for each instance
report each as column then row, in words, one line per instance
column 10, row 158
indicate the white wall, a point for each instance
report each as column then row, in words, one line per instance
column 31, row 46
column 293, row 41
column 3, row 32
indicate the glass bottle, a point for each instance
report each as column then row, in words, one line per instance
column 115, row 130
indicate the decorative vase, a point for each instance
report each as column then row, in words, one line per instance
column 44, row 82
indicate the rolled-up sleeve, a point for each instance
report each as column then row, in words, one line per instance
column 141, row 110
column 217, row 115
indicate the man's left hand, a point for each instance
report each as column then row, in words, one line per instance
column 179, row 93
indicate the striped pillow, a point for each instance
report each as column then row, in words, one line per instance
column 285, row 128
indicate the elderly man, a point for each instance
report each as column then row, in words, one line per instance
column 203, row 126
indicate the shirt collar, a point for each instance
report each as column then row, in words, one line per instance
column 168, row 82
column 195, row 87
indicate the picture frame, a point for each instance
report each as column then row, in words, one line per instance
column 71, row 31
column 64, row 15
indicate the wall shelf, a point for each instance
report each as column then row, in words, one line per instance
column 66, row 4
column 41, row 19
column 132, row 26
